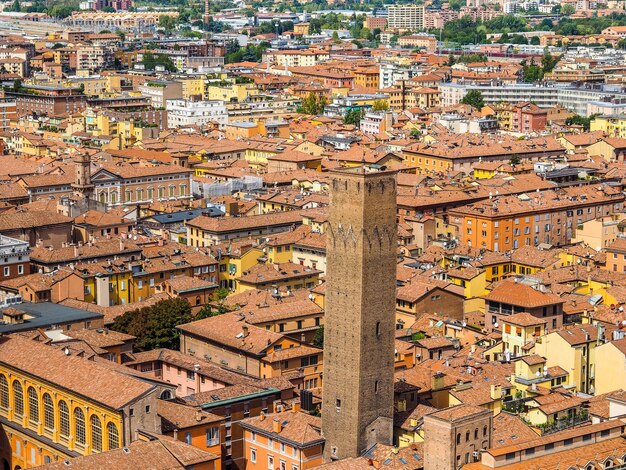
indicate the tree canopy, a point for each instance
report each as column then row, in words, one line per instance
column 475, row 99
column 353, row 116
column 312, row 104
column 155, row 326
column 150, row 61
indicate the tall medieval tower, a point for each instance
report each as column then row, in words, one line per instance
column 359, row 323
column 82, row 184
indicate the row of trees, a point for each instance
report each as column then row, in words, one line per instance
column 467, row 31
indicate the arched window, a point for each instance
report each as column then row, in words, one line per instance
column 64, row 419
column 104, row 197
column 33, row 405
column 458, row 438
column 18, row 399
column 48, row 412
column 114, row 438
column 4, row 392
column 96, row 433
column 166, row 395
column 467, row 434
column 79, row 426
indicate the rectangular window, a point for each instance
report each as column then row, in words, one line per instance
column 270, row 462
column 253, row 455
column 212, row 436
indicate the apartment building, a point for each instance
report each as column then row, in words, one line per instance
column 8, row 112
column 47, row 99
column 598, row 446
column 506, row 223
column 93, row 58
column 509, row 299
column 185, row 113
column 207, row 231
column 298, row 58
column 409, row 17
column 159, row 91
column 230, row 341
column 570, row 97
column 14, row 258
column 189, row 374
column 288, row 440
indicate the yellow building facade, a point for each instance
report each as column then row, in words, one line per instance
column 56, row 415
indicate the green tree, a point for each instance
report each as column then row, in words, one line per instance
column 16, row 6
column 318, row 339
column 380, row 105
column 568, row 9
column 312, row 104
column 353, row 116
column 61, row 11
column 168, row 23
column 548, row 61
column 531, row 72
column 578, row 120
column 155, row 326
column 475, row 99
column 415, row 133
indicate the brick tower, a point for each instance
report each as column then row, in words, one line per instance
column 82, row 185
column 357, row 407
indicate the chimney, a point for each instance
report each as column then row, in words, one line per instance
column 295, row 407
column 232, row 209
column 277, row 425
column 244, row 329
column 75, row 251
column 437, row 381
column 495, row 392
column 277, row 406
column 262, row 416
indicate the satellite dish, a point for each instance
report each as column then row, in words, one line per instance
column 495, row 325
